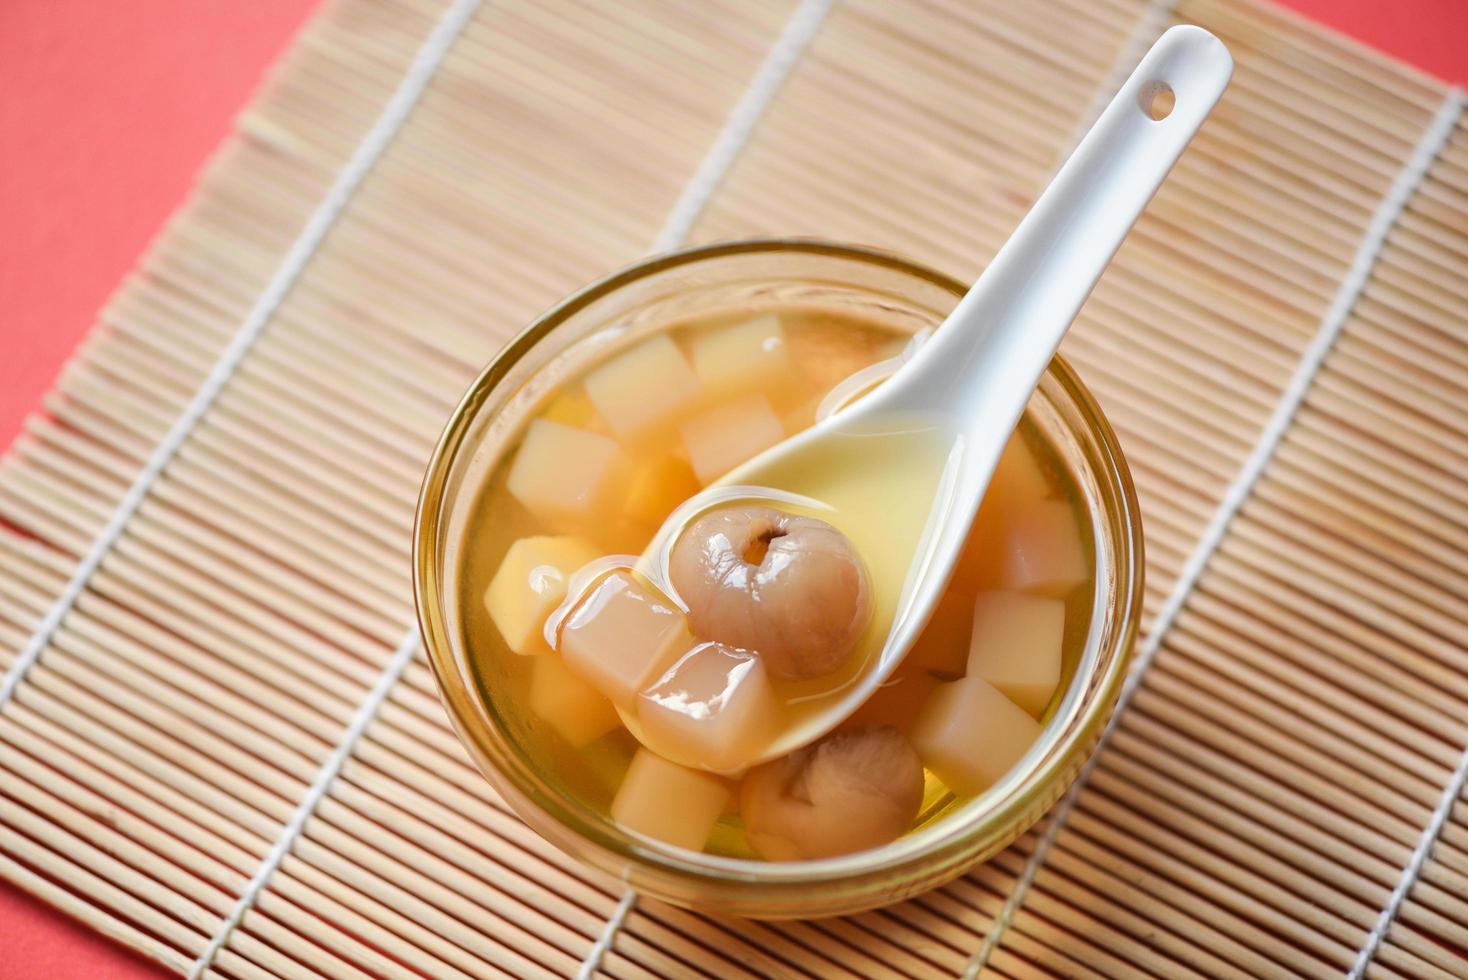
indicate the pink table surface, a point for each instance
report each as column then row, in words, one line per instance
column 107, row 110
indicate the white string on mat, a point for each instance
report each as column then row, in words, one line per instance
column 281, row 281
column 317, row 791
column 768, row 79
column 1413, row 870
column 414, row 83
column 603, row 943
column 1146, row 31
column 731, row 140
column 1442, row 128
column 1433, row 138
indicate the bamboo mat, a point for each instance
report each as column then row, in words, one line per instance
column 220, row 745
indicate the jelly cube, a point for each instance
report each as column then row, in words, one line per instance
column 530, row 582
column 981, row 562
column 1018, row 482
column 894, row 704
column 747, row 355
column 573, row 408
column 1018, row 476
column 641, row 391
column 970, row 735
column 942, row 647
column 720, row 439
column 657, row 487
column 669, row 802
column 621, row 636
column 564, row 475
column 1043, row 549
column 1016, row 646
column 713, row 709
column 573, row 708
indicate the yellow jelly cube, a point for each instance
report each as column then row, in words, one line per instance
column 722, row 438
column 563, row 475
column 530, row 582
column 1016, row 646
column 713, row 709
column 573, row 408
column 1043, row 549
column 573, row 708
column 641, row 391
column 621, row 636
column 747, row 355
column 896, row 703
column 970, row 735
column 657, row 487
column 668, row 802
column 942, row 647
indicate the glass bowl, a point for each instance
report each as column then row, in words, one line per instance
column 874, row 286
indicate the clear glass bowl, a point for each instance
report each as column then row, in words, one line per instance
column 874, row 286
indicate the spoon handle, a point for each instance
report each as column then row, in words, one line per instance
column 986, row 359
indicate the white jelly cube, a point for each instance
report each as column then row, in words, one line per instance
column 720, row 439
column 641, row 391
column 656, row 487
column 564, row 475
column 713, row 709
column 942, row 647
column 1016, row 646
column 1042, row 550
column 573, row 708
column 530, row 582
column 669, row 802
column 621, row 636
column 747, row 355
column 970, row 735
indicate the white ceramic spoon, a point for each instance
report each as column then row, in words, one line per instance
column 920, row 450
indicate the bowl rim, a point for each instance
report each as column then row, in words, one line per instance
column 938, row 843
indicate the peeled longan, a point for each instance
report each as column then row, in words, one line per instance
column 792, row 588
column 849, row 792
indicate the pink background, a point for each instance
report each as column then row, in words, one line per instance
column 109, row 109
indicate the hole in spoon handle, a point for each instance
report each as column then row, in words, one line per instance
column 1178, row 81
column 1157, row 100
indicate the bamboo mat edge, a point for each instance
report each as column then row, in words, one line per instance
column 798, row 32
